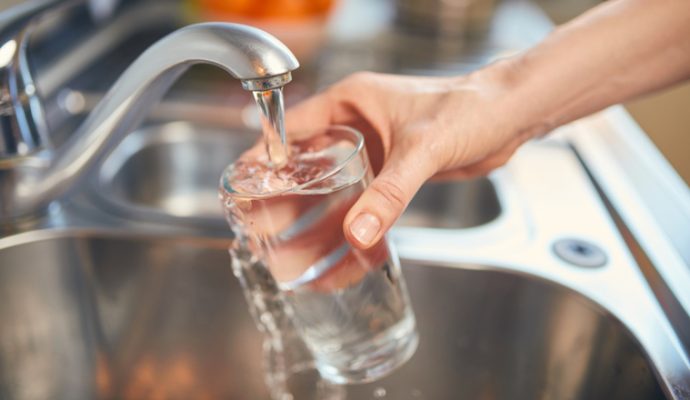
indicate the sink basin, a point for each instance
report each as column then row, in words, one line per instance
column 452, row 205
column 171, row 172
column 101, row 316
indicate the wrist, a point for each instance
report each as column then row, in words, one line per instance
column 514, row 107
column 530, row 102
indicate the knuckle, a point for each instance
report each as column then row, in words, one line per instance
column 428, row 151
column 391, row 191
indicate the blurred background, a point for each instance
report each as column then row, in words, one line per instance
column 330, row 37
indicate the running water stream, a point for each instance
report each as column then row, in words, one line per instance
column 272, row 107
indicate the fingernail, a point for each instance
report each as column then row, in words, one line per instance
column 365, row 228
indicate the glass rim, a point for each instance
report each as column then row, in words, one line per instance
column 358, row 148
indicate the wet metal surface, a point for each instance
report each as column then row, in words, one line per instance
column 108, row 317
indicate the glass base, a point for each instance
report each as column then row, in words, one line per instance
column 375, row 359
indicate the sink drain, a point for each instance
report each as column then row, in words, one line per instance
column 580, row 253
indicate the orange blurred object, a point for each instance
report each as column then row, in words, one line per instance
column 266, row 9
column 300, row 24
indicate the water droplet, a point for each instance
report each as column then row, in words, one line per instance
column 379, row 392
column 416, row 393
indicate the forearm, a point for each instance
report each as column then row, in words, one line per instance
column 617, row 51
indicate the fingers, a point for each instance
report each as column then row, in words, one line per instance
column 385, row 199
column 309, row 116
column 342, row 103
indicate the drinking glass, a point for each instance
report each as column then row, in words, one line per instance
column 350, row 306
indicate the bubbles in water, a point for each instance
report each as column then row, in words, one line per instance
column 379, row 392
column 311, row 159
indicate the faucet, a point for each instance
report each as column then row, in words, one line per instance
column 22, row 124
column 31, row 179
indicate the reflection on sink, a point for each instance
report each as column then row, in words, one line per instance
column 126, row 319
column 173, row 170
column 108, row 317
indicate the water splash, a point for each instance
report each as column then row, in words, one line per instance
column 290, row 370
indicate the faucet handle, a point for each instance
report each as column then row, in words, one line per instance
column 22, row 123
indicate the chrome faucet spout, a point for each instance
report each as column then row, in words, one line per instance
column 251, row 55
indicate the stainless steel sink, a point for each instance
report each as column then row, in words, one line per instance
column 101, row 316
column 453, row 205
column 170, row 172
column 118, row 291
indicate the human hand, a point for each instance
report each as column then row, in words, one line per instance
column 415, row 128
column 466, row 126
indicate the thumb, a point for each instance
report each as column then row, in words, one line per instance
column 386, row 198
